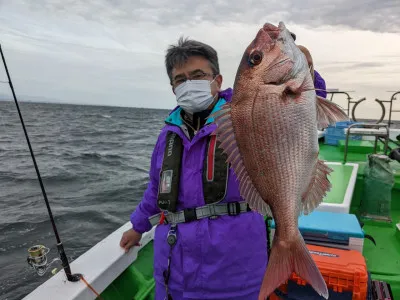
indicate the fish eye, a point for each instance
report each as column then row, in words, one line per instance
column 255, row 57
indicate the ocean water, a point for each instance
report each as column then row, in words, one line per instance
column 94, row 163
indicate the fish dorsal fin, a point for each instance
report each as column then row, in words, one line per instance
column 329, row 112
column 317, row 189
column 226, row 136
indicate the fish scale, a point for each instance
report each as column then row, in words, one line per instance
column 281, row 123
column 269, row 133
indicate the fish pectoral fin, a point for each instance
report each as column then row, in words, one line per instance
column 318, row 187
column 288, row 257
column 329, row 113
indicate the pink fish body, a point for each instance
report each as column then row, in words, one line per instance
column 269, row 131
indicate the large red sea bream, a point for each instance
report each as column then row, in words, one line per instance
column 269, row 132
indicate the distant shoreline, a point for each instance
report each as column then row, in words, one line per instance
column 395, row 123
column 79, row 104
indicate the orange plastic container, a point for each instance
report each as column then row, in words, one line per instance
column 282, row 288
column 343, row 270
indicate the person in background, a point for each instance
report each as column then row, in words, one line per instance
column 319, row 82
column 217, row 245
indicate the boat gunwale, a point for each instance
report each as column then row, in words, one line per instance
column 100, row 266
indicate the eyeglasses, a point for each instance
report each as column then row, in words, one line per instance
column 196, row 75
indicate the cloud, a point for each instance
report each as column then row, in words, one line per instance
column 379, row 16
column 112, row 52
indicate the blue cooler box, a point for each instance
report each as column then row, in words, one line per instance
column 339, row 230
column 334, row 133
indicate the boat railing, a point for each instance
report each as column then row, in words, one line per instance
column 356, row 103
column 379, row 130
column 392, row 98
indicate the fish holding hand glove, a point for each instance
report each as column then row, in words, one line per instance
column 269, row 132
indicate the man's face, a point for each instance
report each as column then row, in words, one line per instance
column 195, row 68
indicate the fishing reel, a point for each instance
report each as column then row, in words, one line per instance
column 37, row 259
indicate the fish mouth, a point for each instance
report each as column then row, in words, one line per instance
column 272, row 30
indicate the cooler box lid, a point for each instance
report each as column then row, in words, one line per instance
column 329, row 225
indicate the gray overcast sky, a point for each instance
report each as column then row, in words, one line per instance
column 112, row 51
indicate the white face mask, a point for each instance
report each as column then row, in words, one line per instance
column 194, row 95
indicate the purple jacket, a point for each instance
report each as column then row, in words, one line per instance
column 319, row 83
column 221, row 258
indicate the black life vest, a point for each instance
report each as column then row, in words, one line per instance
column 215, row 172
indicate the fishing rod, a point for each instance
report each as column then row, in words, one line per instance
column 38, row 253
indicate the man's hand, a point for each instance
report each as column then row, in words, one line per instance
column 130, row 238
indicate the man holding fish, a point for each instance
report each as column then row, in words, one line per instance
column 209, row 244
column 218, row 248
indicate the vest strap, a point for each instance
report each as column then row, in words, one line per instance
column 201, row 212
column 168, row 189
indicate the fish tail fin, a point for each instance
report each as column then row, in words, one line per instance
column 287, row 258
column 329, row 112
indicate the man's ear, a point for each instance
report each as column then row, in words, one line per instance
column 219, row 80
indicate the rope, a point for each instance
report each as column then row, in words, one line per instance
column 90, row 287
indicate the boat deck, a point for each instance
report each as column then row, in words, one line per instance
column 137, row 281
column 383, row 260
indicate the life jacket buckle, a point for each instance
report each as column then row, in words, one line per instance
column 190, row 214
column 233, row 208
